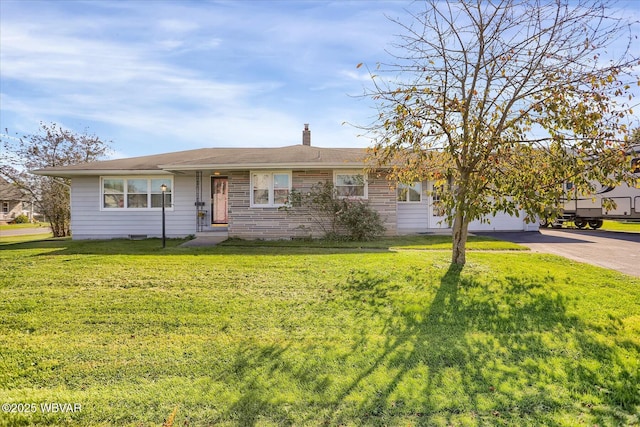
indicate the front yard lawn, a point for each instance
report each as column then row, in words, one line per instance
column 273, row 334
column 613, row 225
column 628, row 226
column 27, row 225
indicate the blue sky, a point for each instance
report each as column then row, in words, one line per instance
column 157, row 75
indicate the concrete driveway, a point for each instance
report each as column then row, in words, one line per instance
column 610, row 249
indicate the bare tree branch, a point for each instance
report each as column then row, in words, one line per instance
column 52, row 146
column 506, row 99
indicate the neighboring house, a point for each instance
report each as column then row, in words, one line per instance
column 239, row 191
column 12, row 202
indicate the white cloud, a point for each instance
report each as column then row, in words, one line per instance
column 177, row 25
column 170, row 44
column 182, row 75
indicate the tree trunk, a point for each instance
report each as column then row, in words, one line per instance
column 56, row 227
column 460, row 232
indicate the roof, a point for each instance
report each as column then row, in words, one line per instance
column 9, row 191
column 291, row 157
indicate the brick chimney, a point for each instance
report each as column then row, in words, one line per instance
column 306, row 135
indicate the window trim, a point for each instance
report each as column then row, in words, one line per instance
column 352, row 172
column 407, row 195
column 129, row 195
column 125, row 194
column 271, row 188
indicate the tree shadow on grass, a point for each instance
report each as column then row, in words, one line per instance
column 478, row 353
column 153, row 247
column 506, row 358
column 253, row 367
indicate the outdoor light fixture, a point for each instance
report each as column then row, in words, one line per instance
column 163, row 188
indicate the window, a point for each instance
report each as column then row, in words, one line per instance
column 156, row 192
column 5, row 207
column 270, row 188
column 409, row 192
column 135, row 193
column 351, row 184
column 113, row 193
column 281, row 187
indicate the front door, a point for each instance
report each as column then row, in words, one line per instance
column 219, row 200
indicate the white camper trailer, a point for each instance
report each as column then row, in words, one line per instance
column 591, row 211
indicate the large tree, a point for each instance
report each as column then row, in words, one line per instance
column 499, row 101
column 51, row 146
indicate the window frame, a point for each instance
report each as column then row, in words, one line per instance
column 271, row 187
column 131, row 197
column 408, row 187
column 352, row 172
column 149, row 193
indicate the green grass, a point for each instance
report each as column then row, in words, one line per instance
column 264, row 334
column 426, row 242
column 612, row 225
column 6, row 240
column 633, row 227
column 18, row 226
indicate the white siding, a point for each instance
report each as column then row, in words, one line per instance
column 88, row 221
column 503, row 222
column 418, row 218
column 413, row 217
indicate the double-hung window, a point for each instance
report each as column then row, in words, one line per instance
column 351, row 184
column 270, row 189
column 409, row 192
column 113, row 193
column 135, row 193
column 156, row 192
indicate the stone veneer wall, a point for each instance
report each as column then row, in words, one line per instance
column 272, row 223
column 382, row 197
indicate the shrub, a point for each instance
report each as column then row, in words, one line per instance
column 359, row 220
column 21, row 219
column 338, row 218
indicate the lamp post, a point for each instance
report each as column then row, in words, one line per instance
column 163, row 188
